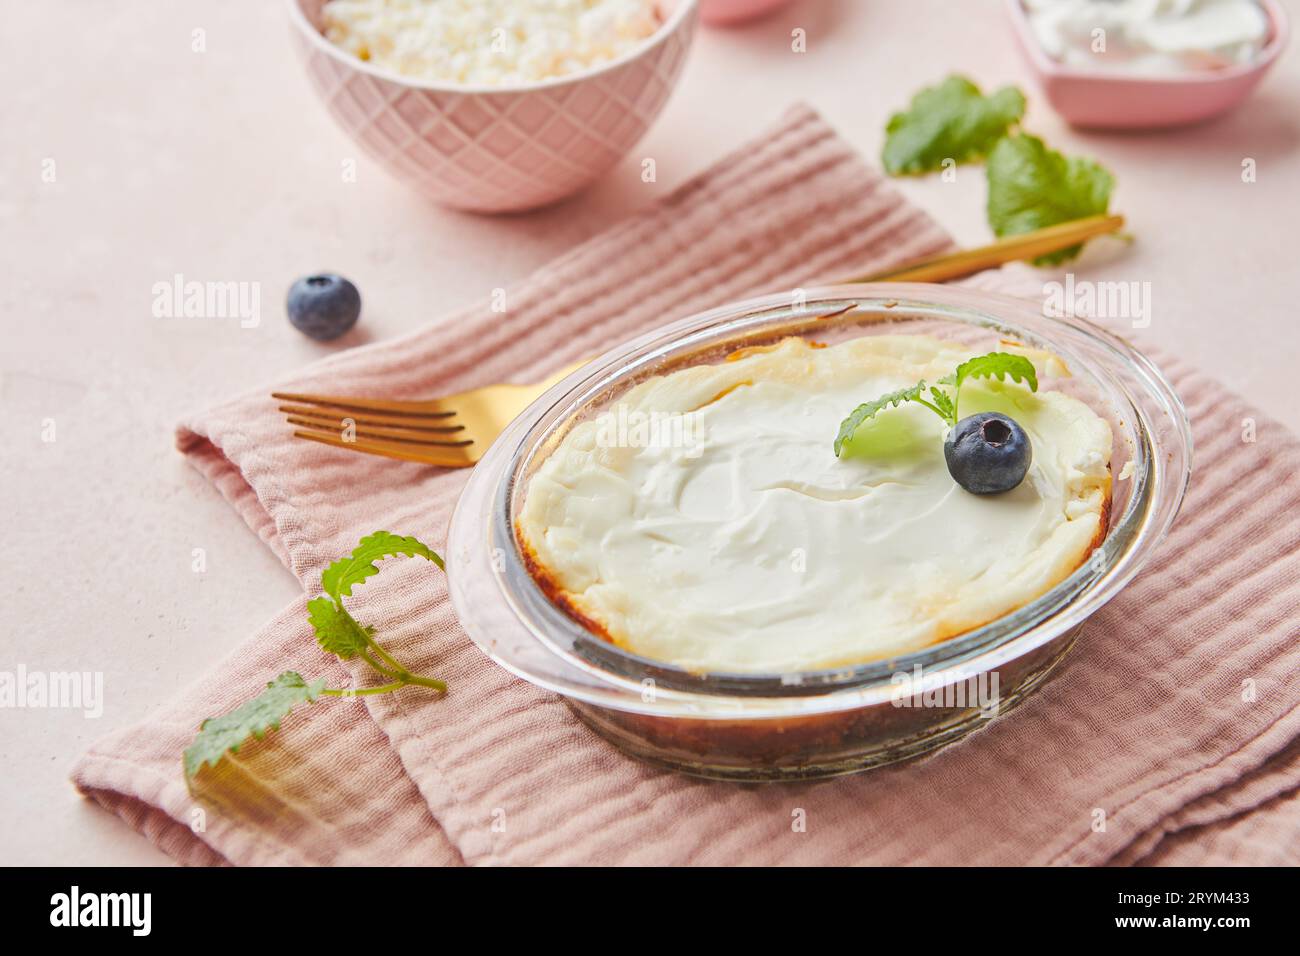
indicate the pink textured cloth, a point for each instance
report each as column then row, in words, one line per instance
column 1145, row 721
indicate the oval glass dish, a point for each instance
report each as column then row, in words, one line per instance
column 787, row 726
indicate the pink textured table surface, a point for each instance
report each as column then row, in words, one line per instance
column 130, row 157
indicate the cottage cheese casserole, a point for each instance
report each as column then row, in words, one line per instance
column 705, row 522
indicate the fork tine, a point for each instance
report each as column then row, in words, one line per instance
column 323, row 416
column 441, row 438
column 452, row 431
column 433, row 409
column 459, row 456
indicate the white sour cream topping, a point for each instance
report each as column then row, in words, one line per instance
column 743, row 544
column 1149, row 36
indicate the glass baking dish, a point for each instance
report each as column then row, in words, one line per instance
column 812, row 724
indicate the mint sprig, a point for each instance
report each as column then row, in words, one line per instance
column 999, row 365
column 337, row 633
column 339, row 578
column 945, row 394
column 868, row 410
column 227, row 733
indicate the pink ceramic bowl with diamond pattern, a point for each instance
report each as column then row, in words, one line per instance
column 497, row 149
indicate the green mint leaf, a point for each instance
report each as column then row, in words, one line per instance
column 869, row 409
column 950, row 121
column 340, row 577
column 1032, row 186
column 944, row 403
column 219, row 735
column 998, row 365
column 336, row 630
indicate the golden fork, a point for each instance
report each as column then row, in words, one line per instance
column 452, row 432
column 455, row 431
column 1027, row 245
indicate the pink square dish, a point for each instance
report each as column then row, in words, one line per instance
column 1091, row 98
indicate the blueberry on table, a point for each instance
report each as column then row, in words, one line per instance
column 323, row 306
column 987, row 453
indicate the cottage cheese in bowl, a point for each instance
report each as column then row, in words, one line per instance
column 489, row 42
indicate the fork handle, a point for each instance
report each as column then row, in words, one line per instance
column 1027, row 245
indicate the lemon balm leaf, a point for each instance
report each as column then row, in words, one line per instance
column 869, row 410
column 999, row 365
column 336, row 630
column 944, row 403
column 1031, row 186
column 338, row 633
column 226, row 734
column 953, row 120
column 343, row 575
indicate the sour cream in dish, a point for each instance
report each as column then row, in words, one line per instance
column 1149, row 36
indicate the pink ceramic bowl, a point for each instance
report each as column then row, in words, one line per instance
column 497, row 149
column 1117, row 101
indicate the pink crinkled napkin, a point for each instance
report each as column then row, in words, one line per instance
column 1146, row 719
